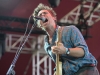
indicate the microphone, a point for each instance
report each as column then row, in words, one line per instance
column 43, row 19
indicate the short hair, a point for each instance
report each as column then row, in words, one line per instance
column 43, row 7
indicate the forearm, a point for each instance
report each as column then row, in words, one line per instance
column 76, row 52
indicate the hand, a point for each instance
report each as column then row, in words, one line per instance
column 60, row 49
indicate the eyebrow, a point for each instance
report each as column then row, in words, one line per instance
column 42, row 12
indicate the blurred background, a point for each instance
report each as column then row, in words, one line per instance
column 32, row 59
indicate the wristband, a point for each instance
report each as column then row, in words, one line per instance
column 67, row 51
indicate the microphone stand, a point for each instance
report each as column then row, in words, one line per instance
column 11, row 68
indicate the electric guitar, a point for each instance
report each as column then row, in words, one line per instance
column 58, row 62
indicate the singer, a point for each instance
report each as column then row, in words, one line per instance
column 73, row 50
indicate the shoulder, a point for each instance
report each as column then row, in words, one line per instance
column 71, row 27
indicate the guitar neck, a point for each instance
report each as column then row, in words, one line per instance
column 58, row 62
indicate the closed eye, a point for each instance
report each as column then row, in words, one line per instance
column 43, row 13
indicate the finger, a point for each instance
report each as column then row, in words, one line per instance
column 54, row 47
column 60, row 44
column 54, row 52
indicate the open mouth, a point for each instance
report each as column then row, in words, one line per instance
column 45, row 20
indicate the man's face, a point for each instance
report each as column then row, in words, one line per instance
column 46, row 14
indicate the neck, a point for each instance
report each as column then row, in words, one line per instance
column 50, row 31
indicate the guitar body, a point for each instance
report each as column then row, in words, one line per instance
column 58, row 65
column 58, row 62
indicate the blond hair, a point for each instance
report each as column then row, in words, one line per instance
column 43, row 7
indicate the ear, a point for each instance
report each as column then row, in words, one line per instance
column 55, row 18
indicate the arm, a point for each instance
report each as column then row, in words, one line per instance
column 78, row 41
column 75, row 52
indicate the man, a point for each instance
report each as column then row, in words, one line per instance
column 73, row 50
